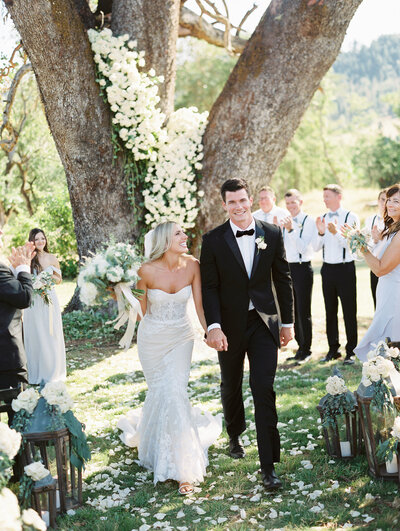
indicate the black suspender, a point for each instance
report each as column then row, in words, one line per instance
column 301, row 234
column 344, row 248
column 373, row 222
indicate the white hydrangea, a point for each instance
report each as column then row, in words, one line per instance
column 375, row 369
column 56, row 394
column 335, row 385
column 9, row 511
column 36, row 471
column 31, row 518
column 10, row 440
column 88, row 292
column 26, row 400
column 115, row 274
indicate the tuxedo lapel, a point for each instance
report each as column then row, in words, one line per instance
column 231, row 241
column 257, row 252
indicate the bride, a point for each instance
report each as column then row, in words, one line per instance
column 171, row 436
column 386, row 321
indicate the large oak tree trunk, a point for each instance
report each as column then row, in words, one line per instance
column 54, row 38
column 154, row 24
column 255, row 117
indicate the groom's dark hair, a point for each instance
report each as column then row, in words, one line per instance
column 233, row 185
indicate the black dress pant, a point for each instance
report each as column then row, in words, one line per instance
column 13, row 378
column 262, row 354
column 374, row 283
column 302, row 279
column 339, row 282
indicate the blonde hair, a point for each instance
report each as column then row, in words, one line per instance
column 161, row 239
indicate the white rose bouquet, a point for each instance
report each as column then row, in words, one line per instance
column 113, row 269
column 10, row 441
column 36, row 471
column 10, row 514
column 339, row 399
column 56, row 394
column 43, row 283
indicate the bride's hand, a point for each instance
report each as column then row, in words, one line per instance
column 112, row 293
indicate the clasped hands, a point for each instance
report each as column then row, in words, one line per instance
column 217, row 339
column 22, row 255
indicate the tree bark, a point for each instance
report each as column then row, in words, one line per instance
column 154, row 24
column 56, row 42
column 255, row 117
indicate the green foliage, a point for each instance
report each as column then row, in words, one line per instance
column 336, row 405
column 80, row 453
column 386, row 449
column 201, row 74
column 89, row 324
column 5, row 469
column 379, row 161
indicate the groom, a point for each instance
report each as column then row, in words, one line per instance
column 242, row 262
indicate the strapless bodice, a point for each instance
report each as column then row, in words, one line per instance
column 167, row 307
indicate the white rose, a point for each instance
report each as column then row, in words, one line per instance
column 10, row 440
column 31, row 519
column 9, row 511
column 56, row 394
column 393, row 352
column 36, row 471
column 37, row 284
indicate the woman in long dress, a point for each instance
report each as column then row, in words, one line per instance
column 386, row 266
column 171, row 436
column 43, row 331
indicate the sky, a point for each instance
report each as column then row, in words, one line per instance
column 372, row 19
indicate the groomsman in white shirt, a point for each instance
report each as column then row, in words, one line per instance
column 268, row 210
column 299, row 236
column 375, row 224
column 338, row 272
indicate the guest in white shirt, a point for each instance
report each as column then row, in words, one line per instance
column 299, row 236
column 268, row 211
column 376, row 224
column 338, row 272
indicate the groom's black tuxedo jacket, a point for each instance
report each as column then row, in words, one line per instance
column 15, row 294
column 227, row 289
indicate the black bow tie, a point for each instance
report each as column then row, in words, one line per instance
column 240, row 233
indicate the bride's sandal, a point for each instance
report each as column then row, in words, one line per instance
column 185, row 488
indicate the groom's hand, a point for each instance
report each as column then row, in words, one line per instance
column 286, row 335
column 217, row 339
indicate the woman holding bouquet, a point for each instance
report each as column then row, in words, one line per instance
column 386, row 266
column 171, row 436
column 43, row 332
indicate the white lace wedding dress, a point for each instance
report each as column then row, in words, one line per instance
column 386, row 321
column 172, row 437
column 45, row 351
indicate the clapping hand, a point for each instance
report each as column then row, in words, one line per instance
column 376, row 234
column 332, row 227
column 287, row 223
column 320, row 222
column 22, row 255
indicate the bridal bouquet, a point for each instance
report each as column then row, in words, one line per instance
column 43, row 283
column 357, row 239
column 113, row 269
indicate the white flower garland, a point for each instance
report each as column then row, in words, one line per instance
column 171, row 153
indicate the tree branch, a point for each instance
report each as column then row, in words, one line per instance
column 9, row 144
column 192, row 25
column 6, row 70
column 246, row 16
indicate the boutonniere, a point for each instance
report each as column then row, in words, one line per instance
column 261, row 245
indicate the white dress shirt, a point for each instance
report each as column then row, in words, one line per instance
column 268, row 217
column 20, row 269
column 299, row 242
column 375, row 221
column 333, row 245
column 247, row 247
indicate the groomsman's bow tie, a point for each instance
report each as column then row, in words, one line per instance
column 240, row 233
column 333, row 214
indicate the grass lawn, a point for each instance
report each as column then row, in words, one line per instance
column 318, row 493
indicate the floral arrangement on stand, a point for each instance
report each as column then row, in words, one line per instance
column 113, row 270
column 338, row 401
column 375, row 372
column 162, row 160
column 43, row 283
column 10, row 513
column 59, row 405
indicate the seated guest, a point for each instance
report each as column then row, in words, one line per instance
column 268, row 211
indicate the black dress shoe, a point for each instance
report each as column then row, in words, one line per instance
column 236, row 449
column 331, row 356
column 349, row 359
column 270, row 480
